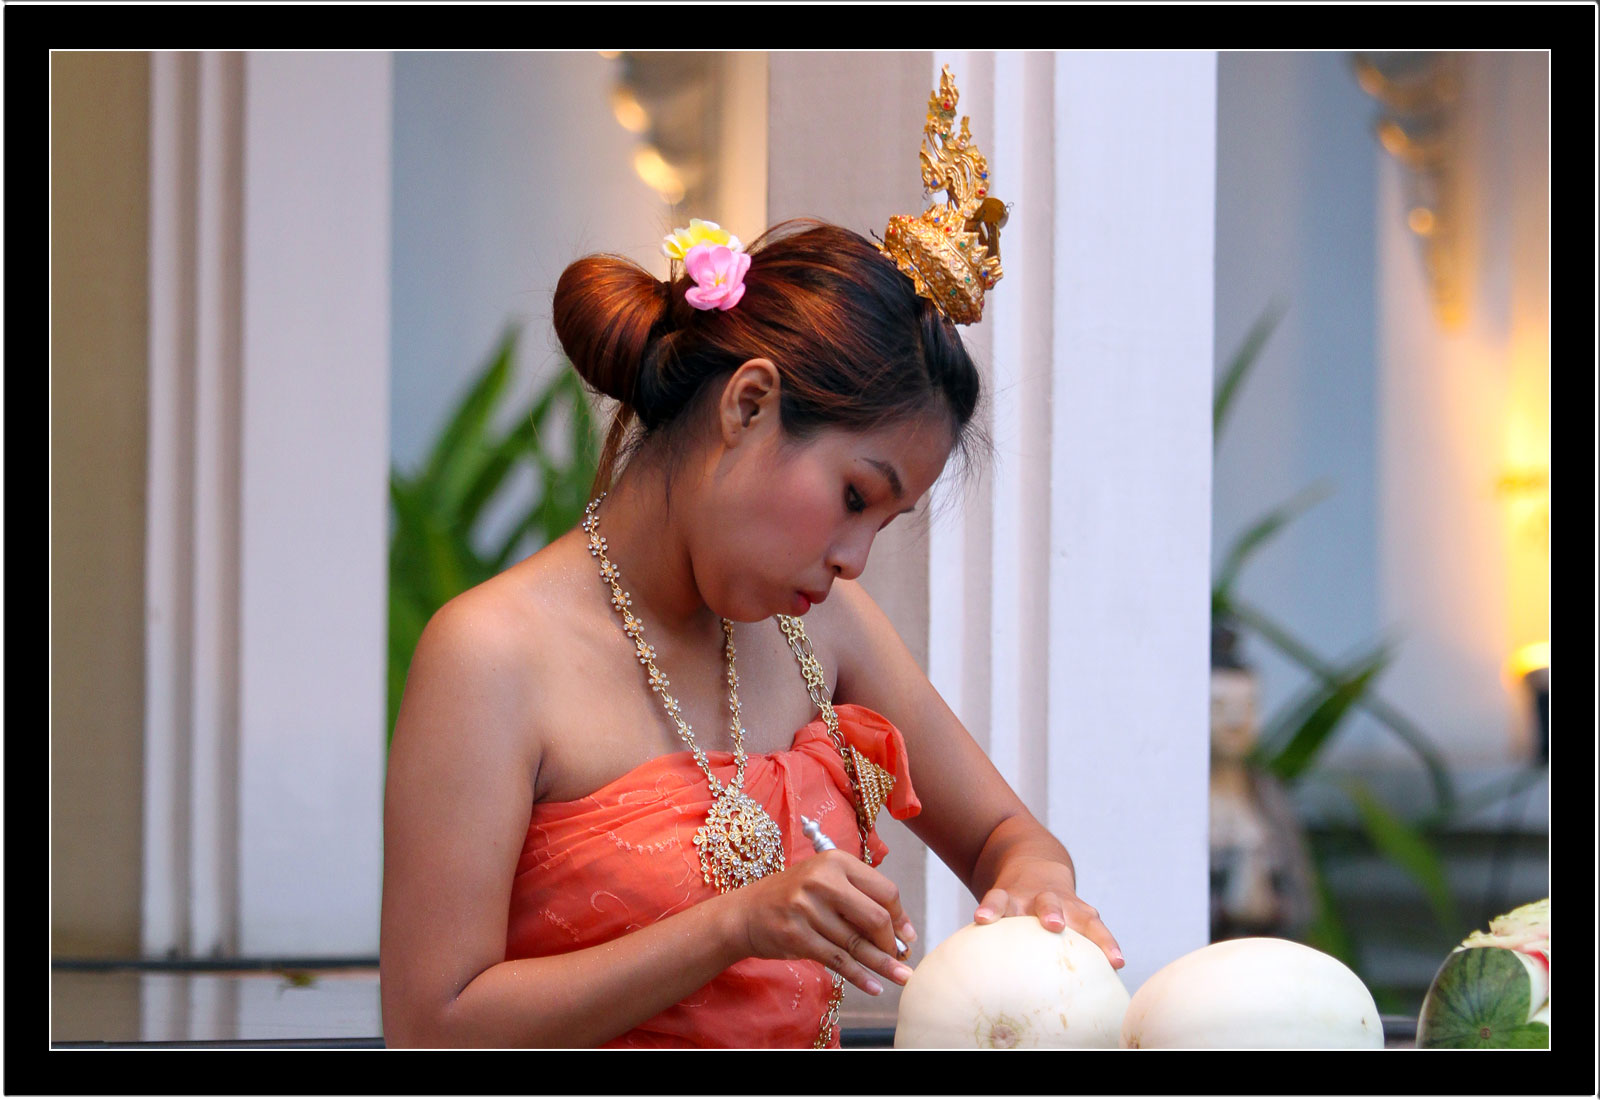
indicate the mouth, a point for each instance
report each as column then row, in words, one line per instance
column 806, row 600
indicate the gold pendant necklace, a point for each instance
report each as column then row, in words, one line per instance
column 739, row 841
column 869, row 785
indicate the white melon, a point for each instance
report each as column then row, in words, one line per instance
column 1012, row 984
column 1253, row 994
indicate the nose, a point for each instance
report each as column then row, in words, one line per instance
column 848, row 558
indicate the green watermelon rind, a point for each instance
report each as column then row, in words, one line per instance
column 1479, row 999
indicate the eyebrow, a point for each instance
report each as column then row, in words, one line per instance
column 895, row 483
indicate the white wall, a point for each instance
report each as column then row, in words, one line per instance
column 314, row 434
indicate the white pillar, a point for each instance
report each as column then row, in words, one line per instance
column 314, row 493
column 268, row 513
column 961, row 586
column 1130, row 529
column 1087, row 631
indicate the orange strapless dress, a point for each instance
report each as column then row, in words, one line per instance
column 606, row 865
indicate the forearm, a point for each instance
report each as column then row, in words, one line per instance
column 1019, row 836
column 584, row 998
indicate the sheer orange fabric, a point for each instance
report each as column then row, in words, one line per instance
column 603, row 866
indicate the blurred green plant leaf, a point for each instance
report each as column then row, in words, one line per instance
column 1407, row 848
column 460, row 451
column 1290, row 742
column 1259, row 534
column 1239, row 366
column 1297, row 651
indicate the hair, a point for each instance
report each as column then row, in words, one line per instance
column 855, row 346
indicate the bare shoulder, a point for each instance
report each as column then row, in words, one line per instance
column 474, row 676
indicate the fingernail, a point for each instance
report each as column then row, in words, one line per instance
column 874, row 986
column 985, row 914
column 902, row 974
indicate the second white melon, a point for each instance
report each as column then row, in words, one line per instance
column 1253, row 994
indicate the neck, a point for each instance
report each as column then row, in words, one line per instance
column 649, row 546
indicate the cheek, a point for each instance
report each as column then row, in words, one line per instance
column 798, row 513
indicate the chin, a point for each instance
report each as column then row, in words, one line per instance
column 741, row 613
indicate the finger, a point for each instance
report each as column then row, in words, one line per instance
column 868, row 917
column 849, row 940
column 1100, row 934
column 880, row 890
column 1050, row 910
column 1085, row 918
column 993, row 906
column 836, row 956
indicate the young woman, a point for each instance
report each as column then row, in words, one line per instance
column 567, row 859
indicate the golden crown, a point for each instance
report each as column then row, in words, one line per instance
column 952, row 251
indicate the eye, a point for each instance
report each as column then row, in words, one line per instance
column 853, row 501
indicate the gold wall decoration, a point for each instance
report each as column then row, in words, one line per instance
column 1419, row 125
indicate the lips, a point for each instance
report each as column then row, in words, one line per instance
column 806, row 600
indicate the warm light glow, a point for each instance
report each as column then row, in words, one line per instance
column 1421, row 221
column 655, row 171
column 1524, row 485
column 1394, row 140
column 629, row 112
column 610, row 55
column 1529, row 658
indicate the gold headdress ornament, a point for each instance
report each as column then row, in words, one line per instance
column 952, row 251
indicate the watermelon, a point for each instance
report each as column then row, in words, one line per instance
column 1494, row 989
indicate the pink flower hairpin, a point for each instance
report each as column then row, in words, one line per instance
column 714, row 259
column 718, row 272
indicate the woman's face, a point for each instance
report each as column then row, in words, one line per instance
column 791, row 520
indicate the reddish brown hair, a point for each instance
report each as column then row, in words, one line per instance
column 855, row 345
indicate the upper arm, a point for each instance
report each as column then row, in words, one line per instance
column 963, row 796
column 457, row 799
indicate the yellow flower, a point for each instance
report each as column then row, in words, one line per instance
column 676, row 246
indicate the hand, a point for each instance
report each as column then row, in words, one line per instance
column 1047, row 890
column 830, row 907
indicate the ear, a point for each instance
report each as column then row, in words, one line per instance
column 749, row 402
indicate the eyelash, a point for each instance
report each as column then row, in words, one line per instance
column 853, row 501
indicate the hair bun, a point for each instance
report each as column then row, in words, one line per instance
column 607, row 310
